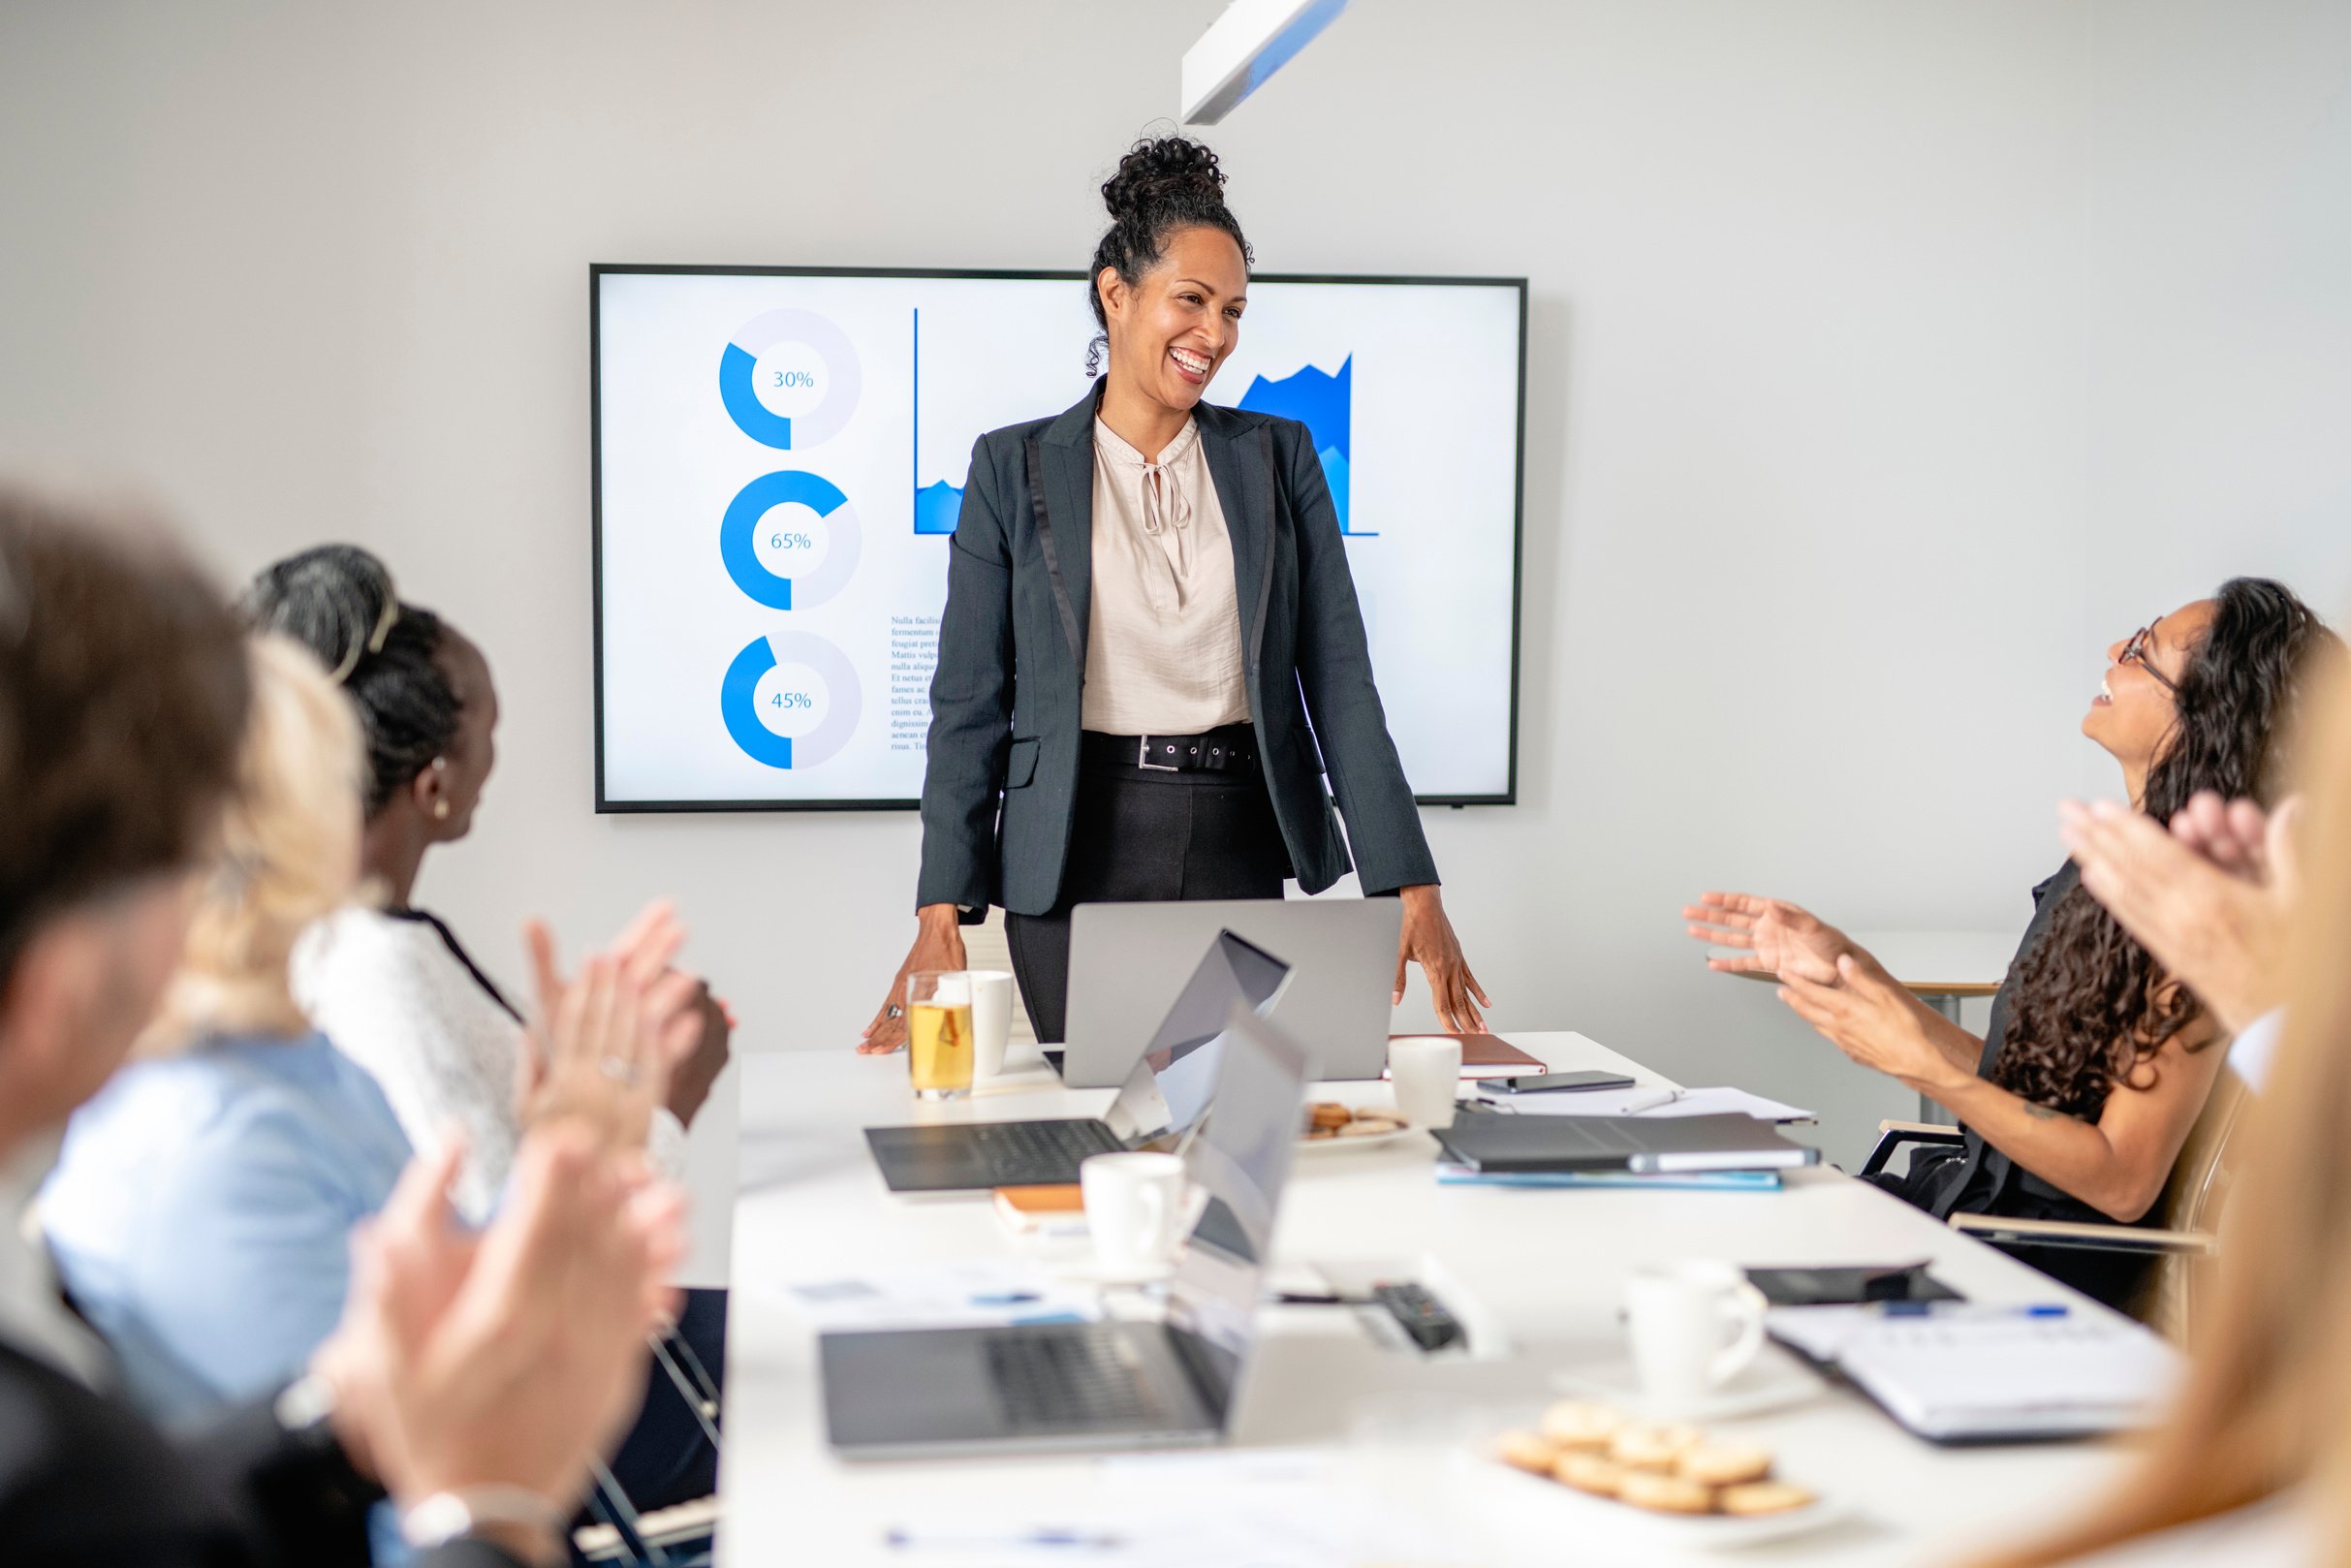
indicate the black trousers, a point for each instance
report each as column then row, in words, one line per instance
column 1145, row 837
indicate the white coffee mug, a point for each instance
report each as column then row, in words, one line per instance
column 1134, row 1209
column 991, row 1021
column 1694, row 1324
column 1426, row 1071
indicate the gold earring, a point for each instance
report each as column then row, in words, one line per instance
column 440, row 809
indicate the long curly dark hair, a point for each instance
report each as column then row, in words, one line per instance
column 1163, row 184
column 2091, row 1005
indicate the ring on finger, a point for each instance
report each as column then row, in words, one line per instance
column 619, row 1070
column 894, row 1011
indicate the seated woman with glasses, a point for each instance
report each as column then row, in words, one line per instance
column 2079, row 1098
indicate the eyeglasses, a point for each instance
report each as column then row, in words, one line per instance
column 2134, row 651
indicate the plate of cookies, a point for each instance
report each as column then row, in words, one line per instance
column 1707, row 1490
column 1332, row 1125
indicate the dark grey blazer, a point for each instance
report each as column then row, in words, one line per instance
column 1002, row 777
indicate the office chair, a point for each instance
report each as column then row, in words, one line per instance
column 2190, row 1207
column 678, row 1537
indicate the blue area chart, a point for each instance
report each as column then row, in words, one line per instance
column 937, row 505
column 1325, row 404
column 789, row 379
column 790, row 699
column 822, row 530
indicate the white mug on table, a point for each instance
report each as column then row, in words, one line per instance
column 1694, row 1325
column 1134, row 1209
column 991, row 1021
column 1426, row 1072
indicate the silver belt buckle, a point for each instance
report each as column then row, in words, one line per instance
column 1142, row 758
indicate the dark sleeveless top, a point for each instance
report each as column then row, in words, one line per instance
column 1977, row 1178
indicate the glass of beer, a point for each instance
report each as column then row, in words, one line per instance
column 939, row 1033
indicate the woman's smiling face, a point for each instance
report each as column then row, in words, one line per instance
column 2134, row 709
column 1173, row 327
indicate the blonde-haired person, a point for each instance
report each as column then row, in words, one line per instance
column 2252, row 1468
column 202, row 1205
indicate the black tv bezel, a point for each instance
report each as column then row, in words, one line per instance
column 598, row 270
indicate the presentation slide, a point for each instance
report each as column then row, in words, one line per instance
column 781, row 457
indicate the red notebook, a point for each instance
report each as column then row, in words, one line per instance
column 1489, row 1055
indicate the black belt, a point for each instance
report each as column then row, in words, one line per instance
column 1231, row 748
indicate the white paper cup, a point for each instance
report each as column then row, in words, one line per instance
column 991, row 1021
column 1426, row 1071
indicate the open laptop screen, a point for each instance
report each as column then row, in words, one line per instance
column 1172, row 1086
column 1242, row 1159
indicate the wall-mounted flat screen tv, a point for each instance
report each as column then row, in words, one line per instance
column 780, row 455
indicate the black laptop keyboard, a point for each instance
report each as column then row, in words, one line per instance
column 1069, row 1378
column 1019, row 1153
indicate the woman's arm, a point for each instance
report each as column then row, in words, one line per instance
column 971, row 703
column 1772, row 936
column 2118, row 1165
column 1334, row 675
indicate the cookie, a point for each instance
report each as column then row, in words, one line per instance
column 1763, row 1497
column 1526, row 1451
column 1651, row 1446
column 1664, row 1494
column 1315, row 1133
column 1580, row 1424
column 1588, row 1472
column 1327, row 1113
column 1366, row 1127
column 1724, row 1464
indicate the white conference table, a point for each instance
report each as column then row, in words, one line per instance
column 1548, row 1267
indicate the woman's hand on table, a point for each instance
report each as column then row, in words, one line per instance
column 938, row 943
column 1864, row 1013
column 1772, row 936
column 1428, row 941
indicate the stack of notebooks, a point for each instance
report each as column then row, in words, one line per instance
column 1724, row 1152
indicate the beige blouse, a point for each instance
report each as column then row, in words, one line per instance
column 1163, row 638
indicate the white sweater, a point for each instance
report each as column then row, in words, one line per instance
column 398, row 997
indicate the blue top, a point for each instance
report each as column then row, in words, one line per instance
column 201, row 1214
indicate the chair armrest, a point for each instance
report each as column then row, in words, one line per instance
column 2078, row 1235
column 1894, row 1135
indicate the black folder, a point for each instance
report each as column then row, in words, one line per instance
column 1499, row 1145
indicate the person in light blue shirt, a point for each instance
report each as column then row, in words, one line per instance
column 202, row 1205
column 201, row 1210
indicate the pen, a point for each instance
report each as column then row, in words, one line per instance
column 1928, row 1310
column 900, row 1537
column 1635, row 1107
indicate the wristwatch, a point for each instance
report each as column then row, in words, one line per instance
column 449, row 1516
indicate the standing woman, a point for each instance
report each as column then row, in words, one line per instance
column 1147, row 604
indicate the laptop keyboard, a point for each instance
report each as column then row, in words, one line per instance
column 1065, row 1378
column 1022, row 1153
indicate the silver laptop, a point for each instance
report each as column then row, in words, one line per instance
column 1117, row 1384
column 1163, row 1095
column 1127, row 962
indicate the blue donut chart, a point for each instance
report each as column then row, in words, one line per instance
column 750, row 415
column 739, row 706
column 738, row 365
column 738, row 534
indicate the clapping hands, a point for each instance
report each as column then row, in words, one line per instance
column 1772, row 936
column 513, row 1358
column 2211, row 895
column 610, row 1039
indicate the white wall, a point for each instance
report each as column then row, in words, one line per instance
column 1888, row 359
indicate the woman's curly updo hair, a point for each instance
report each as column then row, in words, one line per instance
column 338, row 601
column 2092, row 1004
column 1164, row 185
